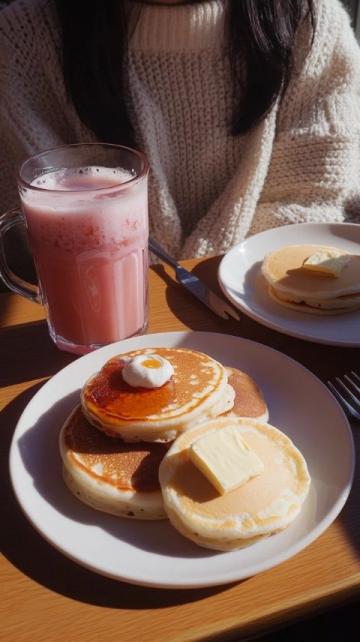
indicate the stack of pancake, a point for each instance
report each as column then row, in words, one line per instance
column 126, row 449
column 313, row 278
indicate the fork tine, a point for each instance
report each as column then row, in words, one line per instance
column 348, row 391
column 231, row 312
column 354, row 383
column 222, row 308
column 345, row 404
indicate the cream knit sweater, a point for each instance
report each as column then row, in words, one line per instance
column 208, row 190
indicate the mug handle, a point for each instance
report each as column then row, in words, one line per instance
column 13, row 281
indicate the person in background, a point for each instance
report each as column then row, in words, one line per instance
column 248, row 110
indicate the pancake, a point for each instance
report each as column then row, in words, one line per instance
column 260, row 507
column 290, row 285
column 282, row 270
column 108, row 474
column 325, row 307
column 198, row 390
column 249, row 401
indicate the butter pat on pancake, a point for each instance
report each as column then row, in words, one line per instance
column 224, row 457
column 249, row 400
column 327, row 262
column 197, row 391
column 265, row 504
column 108, row 474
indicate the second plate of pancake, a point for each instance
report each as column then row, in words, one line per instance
column 243, row 284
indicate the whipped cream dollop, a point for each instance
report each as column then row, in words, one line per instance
column 147, row 371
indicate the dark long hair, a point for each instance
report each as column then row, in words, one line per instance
column 95, row 36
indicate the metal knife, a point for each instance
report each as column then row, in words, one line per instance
column 194, row 285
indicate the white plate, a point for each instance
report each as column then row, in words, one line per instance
column 241, row 281
column 154, row 554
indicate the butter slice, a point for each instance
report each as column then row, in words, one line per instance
column 225, row 459
column 327, row 262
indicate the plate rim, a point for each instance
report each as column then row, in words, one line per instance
column 195, row 581
column 266, row 321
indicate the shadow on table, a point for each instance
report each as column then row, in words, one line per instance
column 29, row 353
column 326, row 625
column 350, row 515
column 33, row 556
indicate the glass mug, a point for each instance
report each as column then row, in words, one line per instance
column 85, row 207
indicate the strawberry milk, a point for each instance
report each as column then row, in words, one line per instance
column 88, row 231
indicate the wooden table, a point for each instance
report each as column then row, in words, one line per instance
column 46, row 597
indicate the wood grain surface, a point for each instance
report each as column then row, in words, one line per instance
column 46, row 597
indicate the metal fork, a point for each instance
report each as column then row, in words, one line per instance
column 194, row 285
column 347, row 393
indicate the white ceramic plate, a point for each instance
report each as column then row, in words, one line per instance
column 154, row 554
column 241, row 281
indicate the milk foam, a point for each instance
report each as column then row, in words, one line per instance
column 82, row 178
column 87, row 208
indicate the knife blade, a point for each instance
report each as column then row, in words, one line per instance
column 193, row 284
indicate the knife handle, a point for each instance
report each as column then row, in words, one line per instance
column 156, row 249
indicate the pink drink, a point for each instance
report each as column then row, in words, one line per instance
column 88, row 232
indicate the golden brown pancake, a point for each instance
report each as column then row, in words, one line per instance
column 326, row 307
column 197, row 390
column 109, row 474
column 262, row 506
column 290, row 285
column 283, row 270
column 249, row 401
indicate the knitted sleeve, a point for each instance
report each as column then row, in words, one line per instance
column 314, row 170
